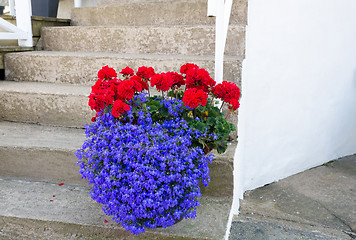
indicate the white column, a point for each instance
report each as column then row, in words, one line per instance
column 23, row 21
column 212, row 4
column 12, row 7
column 219, row 41
column 77, row 3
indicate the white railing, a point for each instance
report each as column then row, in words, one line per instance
column 22, row 31
column 221, row 9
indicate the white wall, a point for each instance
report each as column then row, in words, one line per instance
column 298, row 106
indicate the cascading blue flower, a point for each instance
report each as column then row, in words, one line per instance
column 146, row 174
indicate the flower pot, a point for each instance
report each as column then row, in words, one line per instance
column 45, row 8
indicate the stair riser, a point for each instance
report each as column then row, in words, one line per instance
column 60, row 166
column 40, row 165
column 143, row 40
column 83, row 70
column 158, row 13
column 48, row 109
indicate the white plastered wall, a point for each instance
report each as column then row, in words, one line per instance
column 298, row 106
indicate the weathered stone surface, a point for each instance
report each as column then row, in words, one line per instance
column 139, row 13
column 82, row 68
column 320, row 200
column 267, row 230
column 175, row 40
column 25, row 205
column 45, row 103
column 46, row 153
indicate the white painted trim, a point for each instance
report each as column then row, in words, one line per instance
column 23, row 21
column 212, row 6
column 10, row 36
column 12, row 7
column 23, row 30
column 223, row 12
column 78, row 3
column 8, row 26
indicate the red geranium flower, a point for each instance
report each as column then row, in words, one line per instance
column 127, row 71
column 145, row 72
column 186, row 67
column 139, row 84
column 193, row 97
column 234, row 105
column 162, row 81
column 119, row 107
column 103, row 94
column 177, row 79
column 126, row 90
column 107, row 73
column 227, row 91
column 200, row 79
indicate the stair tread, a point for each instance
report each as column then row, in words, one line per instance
column 190, row 58
column 134, row 2
column 25, row 135
column 72, row 205
column 45, row 88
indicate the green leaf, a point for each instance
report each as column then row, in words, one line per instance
column 221, row 145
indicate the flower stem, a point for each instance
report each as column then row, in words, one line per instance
column 212, row 100
column 221, row 106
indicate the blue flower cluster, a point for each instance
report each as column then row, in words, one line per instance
column 146, row 174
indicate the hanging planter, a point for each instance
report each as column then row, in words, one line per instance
column 45, row 8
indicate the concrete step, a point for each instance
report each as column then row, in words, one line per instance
column 139, row 13
column 82, row 68
column 178, row 40
column 46, row 153
column 45, row 103
column 27, row 212
column 36, row 152
column 8, row 49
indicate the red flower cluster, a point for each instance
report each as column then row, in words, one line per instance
column 103, row 93
column 193, row 97
column 199, row 78
column 177, row 79
column 186, row 67
column 111, row 92
column 126, row 72
column 107, row 73
column 145, row 72
column 228, row 92
column 119, row 107
column 166, row 81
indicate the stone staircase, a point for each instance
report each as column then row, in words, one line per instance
column 43, row 108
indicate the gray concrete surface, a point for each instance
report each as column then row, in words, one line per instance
column 174, row 40
column 27, row 212
column 45, row 103
column 46, row 153
column 83, row 67
column 135, row 12
column 319, row 203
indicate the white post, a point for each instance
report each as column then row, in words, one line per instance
column 219, row 42
column 77, row 3
column 12, row 7
column 212, row 5
column 23, row 21
column 223, row 12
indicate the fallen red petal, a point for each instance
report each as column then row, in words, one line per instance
column 61, row 184
column 51, row 200
column 54, row 195
column 106, row 221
